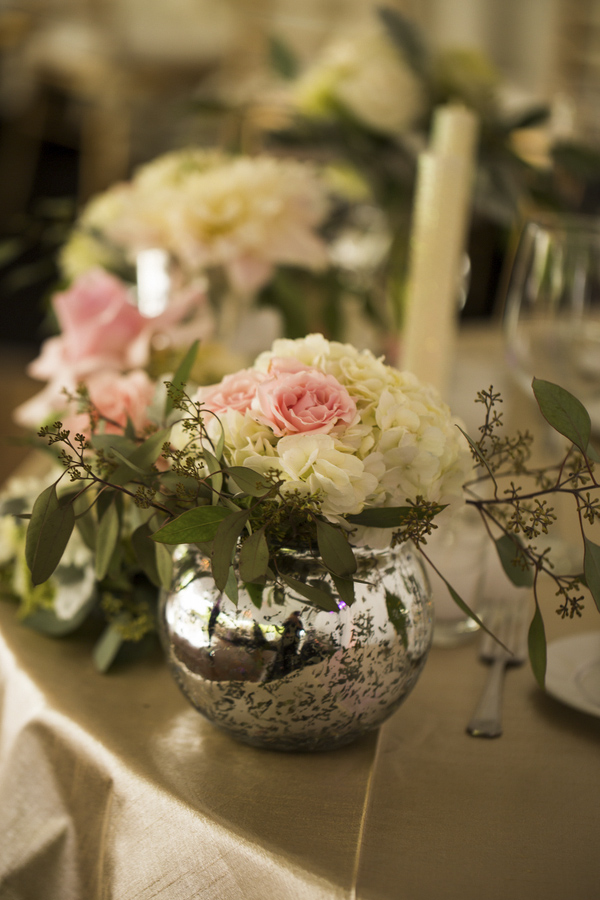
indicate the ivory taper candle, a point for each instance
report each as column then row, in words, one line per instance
column 440, row 218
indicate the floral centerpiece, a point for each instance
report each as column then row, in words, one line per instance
column 212, row 229
column 317, row 445
column 290, row 490
column 315, row 432
column 278, row 466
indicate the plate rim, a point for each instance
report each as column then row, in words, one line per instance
column 587, row 645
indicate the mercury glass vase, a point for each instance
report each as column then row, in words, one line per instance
column 289, row 676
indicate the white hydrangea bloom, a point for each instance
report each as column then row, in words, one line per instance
column 403, row 445
column 245, row 213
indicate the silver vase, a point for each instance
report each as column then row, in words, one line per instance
column 289, row 676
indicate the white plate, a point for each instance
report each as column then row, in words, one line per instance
column 573, row 671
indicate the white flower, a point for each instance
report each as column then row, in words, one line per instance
column 401, row 445
column 244, row 213
column 311, row 463
column 312, row 350
column 366, row 75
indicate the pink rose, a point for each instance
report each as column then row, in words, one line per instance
column 116, row 397
column 235, row 391
column 304, row 402
column 99, row 325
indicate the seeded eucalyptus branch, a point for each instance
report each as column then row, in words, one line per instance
column 517, row 517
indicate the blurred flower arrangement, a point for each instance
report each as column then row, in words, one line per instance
column 368, row 101
column 181, row 252
column 370, row 98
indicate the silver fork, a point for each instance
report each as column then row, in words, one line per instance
column 510, row 625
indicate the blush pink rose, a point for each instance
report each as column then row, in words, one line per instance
column 304, row 402
column 99, row 326
column 235, row 391
column 117, row 398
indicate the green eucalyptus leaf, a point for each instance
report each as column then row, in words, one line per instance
column 255, row 592
column 145, row 550
column 224, row 545
column 108, row 442
column 108, row 645
column 591, row 568
column 142, row 457
column 335, row 550
column 216, row 474
column 468, row 611
column 205, row 547
column 537, row 647
column 509, row 549
column 130, row 430
column 107, row 537
column 316, row 596
column 182, row 373
column 219, row 446
column 248, row 481
column 85, row 520
column 231, row 588
column 564, row 412
column 254, row 557
column 122, row 458
column 48, row 533
column 194, row 526
column 345, row 589
column 381, row 517
column 106, row 497
column 398, row 615
column 164, row 566
column 170, row 480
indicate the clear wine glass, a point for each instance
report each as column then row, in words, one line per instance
column 552, row 309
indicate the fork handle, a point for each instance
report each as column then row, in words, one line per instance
column 487, row 718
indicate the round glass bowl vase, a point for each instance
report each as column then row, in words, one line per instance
column 290, row 676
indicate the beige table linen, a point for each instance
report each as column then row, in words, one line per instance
column 113, row 788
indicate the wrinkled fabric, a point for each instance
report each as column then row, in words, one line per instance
column 112, row 786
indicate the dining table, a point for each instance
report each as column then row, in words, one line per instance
column 112, row 787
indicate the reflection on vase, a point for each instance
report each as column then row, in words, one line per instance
column 289, row 676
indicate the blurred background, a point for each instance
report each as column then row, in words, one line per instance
column 92, row 89
column 89, row 89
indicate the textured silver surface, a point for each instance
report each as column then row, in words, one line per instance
column 290, row 676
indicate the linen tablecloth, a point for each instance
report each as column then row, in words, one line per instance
column 113, row 788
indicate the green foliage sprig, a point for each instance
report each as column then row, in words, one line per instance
column 517, row 517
